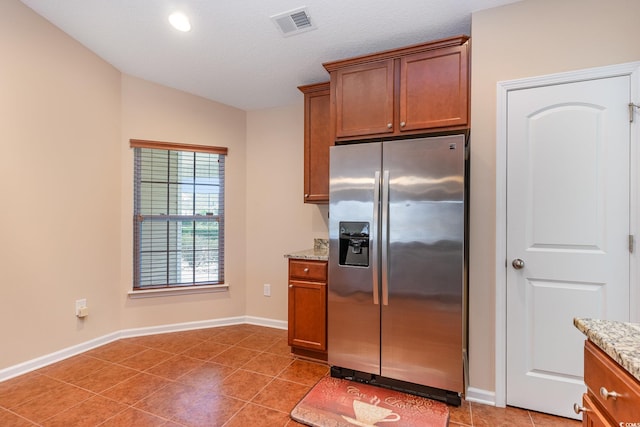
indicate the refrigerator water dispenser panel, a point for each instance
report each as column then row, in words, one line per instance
column 354, row 244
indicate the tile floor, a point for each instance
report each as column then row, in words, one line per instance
column 230, row 376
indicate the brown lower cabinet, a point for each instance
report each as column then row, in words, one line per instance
column 308, row 308
column 613, row 395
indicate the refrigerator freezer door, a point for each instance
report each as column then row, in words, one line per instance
column 352, row 304
column 423, row 235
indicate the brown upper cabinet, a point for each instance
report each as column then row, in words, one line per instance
column 413, row 90
column 317, row 140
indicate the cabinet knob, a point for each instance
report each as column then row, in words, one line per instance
column 291, row 286
column 306, row 269
column 609, row 394
column 578, row 409
column 389, row 125
column 306, row 196
column 402, row 124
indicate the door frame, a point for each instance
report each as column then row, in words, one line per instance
column 631, row 69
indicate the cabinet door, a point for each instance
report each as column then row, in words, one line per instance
column 434, row 89
column 592, row 416
column 364, row 99
column 308, row 315
column 317, row 140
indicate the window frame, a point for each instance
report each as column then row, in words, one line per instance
column 179, row 288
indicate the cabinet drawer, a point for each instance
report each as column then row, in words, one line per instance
column 308, row 270
column 600, row 371
column 592, row 417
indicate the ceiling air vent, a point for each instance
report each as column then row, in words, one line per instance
column 293, row 22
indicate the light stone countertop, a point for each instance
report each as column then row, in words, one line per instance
column 320, row 251
column 620, row 340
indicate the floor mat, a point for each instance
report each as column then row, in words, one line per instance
column 334, row 402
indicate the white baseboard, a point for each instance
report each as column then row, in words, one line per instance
column 478, row 395
column 65, row 353
column 261, row 321
column 39, row 362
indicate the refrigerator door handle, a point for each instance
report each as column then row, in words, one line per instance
column 384, row 241
column 374, row 237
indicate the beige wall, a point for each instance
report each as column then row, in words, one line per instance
column 525, row 39
column 278, row 221
column 60, row 185
column 154, row 112
column 66, row 185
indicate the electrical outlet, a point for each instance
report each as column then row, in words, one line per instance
column 81, row 307
column 267, row 290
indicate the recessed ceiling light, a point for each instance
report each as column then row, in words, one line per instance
column 180, row 22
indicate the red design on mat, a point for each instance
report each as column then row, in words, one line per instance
column 333, row 402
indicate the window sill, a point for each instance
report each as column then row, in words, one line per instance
column 186, row 290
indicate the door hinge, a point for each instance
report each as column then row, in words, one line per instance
column 630, row 243
column 632, row 108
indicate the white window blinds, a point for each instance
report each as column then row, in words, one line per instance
column 178, row 215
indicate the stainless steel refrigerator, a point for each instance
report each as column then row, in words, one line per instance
column 397, row 264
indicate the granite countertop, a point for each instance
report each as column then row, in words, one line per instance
column 320, row 251
column 620, row 340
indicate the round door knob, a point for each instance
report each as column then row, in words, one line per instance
column 389, row 125
column 578, row 409
column 402, row 124
column 608, row 394
column 518, row 264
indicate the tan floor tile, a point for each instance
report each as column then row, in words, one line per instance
column 206, row 350
column 17, row 391
column 89, row 413
column 9, row 419
column 135, row 388
column 166, row 401
column 304, row 372
column 540, row 419
column 280, row 347
column 54, row 401
column 207, row 333
column 74, row 368
column 147, row 359
column 235, row 356
column 105, row 378
column 281, row 395
column 191, row 406
column 257, row 342
column 278, row 333
column 207, row 376
column 232, row 337
column 208, row 410
column 460, row 414
column 134, row 418
column 233, row 375
column 175, row 367
column 174, row 342
column 489, row 416
column 258, row 416
column 268, row 364
column 244, row 384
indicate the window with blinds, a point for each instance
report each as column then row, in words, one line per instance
column 178, row 215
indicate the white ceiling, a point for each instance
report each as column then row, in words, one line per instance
column 235, row 54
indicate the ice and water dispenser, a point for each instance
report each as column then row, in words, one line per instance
column 354, row 244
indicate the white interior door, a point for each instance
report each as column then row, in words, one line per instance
column 568, row 223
